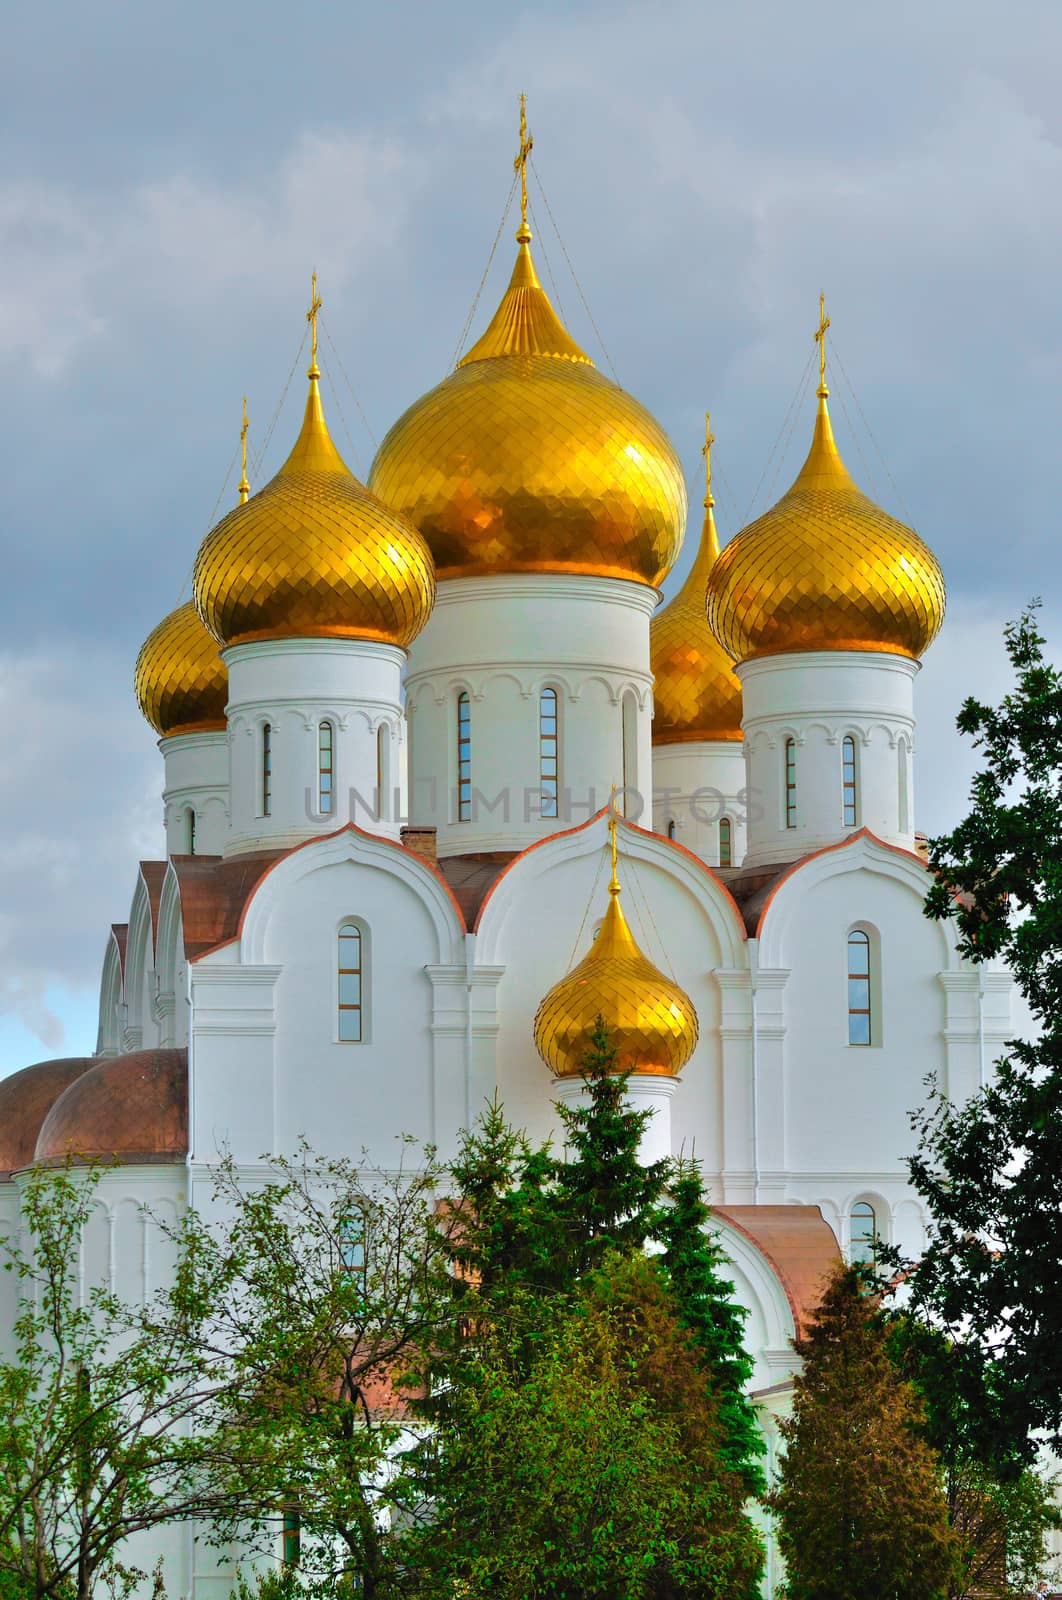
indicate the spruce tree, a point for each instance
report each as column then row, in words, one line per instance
column 716, row 1322
column 860, row 1499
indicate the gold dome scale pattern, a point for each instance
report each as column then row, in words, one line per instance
column 314, row 555
column 652, row 1022
column 527, row 459
column 825, row 569
column 180, row 680
column 696, row 694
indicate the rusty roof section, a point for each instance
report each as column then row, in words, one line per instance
column 799, row 1245
column 26, row 1098
column 132, row 1107
column 214, row 891
column 154, row 875
column 472, row 877
column 752, row 886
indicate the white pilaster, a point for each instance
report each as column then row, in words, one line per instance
column 816, row 700
column 501, row 641
column 291, row 687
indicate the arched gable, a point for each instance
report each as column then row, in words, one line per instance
column 112, row 994
column 139, row 965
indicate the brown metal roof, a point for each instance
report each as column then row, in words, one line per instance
column 133, row 1107
column 472, row 877
column 798, row 1243
column 26, row 1098
column 751, row 888
column 214, row 892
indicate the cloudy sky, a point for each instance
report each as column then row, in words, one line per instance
column 171, row 172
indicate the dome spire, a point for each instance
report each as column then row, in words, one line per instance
column 527, row 144
column 245, row 487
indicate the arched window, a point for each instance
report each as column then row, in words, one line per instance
column 191, row 830
column 901, row 779
column 464, row 757
column 547, row 752
column 860, row 1020
column 326, row 756
column 267, row 769
column 726, row 842
column 849, row 792
column 671, row 828
column 790, row 784
column 629, row 712
column 292, row 1540
column 863, row 1234
column 351, row 998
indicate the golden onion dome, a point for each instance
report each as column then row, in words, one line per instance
column 180, row 680
column 527, row 459
column 314, row 554
column 825, row 568
column 696, row 693
column 651, row 1021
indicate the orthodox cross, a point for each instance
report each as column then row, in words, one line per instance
column 614, row 885
column 311, row 317
column 245, row 487
column 820, row 340
column 527, row 144
column 706, row 452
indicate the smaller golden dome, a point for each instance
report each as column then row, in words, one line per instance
column 180, row 680
column 696, row 693
column 825, row 569
column 314, row 554
column 651, row 1020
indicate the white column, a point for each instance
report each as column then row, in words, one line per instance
column 196, row 787
column 816, row 701
column 291, row 687
column 645, row 1092
column 696, row 786
column 501, row 641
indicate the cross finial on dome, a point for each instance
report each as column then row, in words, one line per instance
column 613, row 882
column 706, row 452
column 820, row 340
column 311, row 318
column 245, row 487
column 527, row 144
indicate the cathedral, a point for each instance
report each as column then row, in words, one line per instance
column 444, row 779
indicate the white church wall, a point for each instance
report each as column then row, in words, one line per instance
column 195, row 799
column 695, row 786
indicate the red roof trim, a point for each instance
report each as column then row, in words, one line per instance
column 827, row 849
column 322, row 838
column 564, row 833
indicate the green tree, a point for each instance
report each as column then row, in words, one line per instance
column 111, row 1416
column 704, row 1297
column 860, row 1501
column 991, row 1170
column 592, row 1470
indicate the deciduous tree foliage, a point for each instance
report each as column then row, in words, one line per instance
column 860, row 1500
column 991, row 1170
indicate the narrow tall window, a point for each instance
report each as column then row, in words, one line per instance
column 292, row 1542
column 790, row 783
column 383, row 770
column 547, row 752
column 726, row 842
column 267, row 769
column 860, row 1023
column 464, row 757
column 350, row 975
column 629, row 707
column 863, row 1234
column 326, row 757
column 671, row 828
column 849, row 795
column 902, row 781
column 191, row 830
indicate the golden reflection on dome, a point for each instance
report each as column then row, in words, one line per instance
column 180, row 680
column 825, row 568
column 696, row 694
column 527, row 459
column 314, row 554
column 651, row 1020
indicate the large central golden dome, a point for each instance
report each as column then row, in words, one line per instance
column 651, row 1021
column 696, row 693
column 314, row 555
column 825, row 569
column 527, row 459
